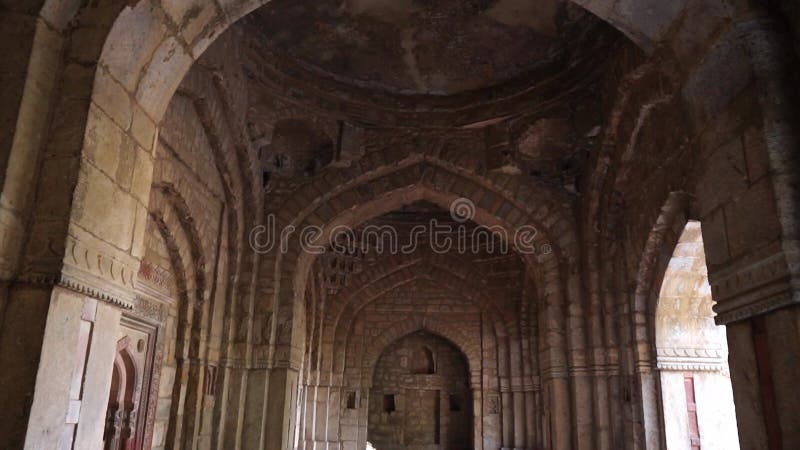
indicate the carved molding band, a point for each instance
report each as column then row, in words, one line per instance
column 758, row 288
column 91, row 268
column 750, row 306
column 690, row 359
column 551, row 373
column 106, row 294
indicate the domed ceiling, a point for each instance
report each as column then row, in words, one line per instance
column 432, row 47
column 437, row 47
column 427, row 63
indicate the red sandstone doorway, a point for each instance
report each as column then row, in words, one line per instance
column 130, row 413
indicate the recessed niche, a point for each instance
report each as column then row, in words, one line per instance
column 455, row 402
column 388, row 403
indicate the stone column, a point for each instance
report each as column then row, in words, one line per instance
column 578, row 369
column 552, row 346
column 599, row 351
column 610, row 296
column 309, row 417
column 280, row 412
column 530, row 416
column 477, row 415
column 518, row 397
column 746, row 391
column 57, row 336
column 322, row 416
column 21, row 341
column 560, row 413
column 781, row 328
column 526, row 391
column 519, row 419
column 231, row 413
column 254, row 405
column 651, row 422
column 506, row 399
column 334, row 415
column 79, row 342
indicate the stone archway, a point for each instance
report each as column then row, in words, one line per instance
column 697, row 407
column 413, row 410
column 120, row 430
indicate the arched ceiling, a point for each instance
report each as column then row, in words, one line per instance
column 482, row 272
column 500, row 267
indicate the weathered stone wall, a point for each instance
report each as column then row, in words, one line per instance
column 195, row 242
column 716, row 165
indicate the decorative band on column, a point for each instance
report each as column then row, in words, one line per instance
column 578, row 371
column 553, row 373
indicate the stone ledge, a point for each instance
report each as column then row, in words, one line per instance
column 690, row 359
column 750, row 306
column 74, row 283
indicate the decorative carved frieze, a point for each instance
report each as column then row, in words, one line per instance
column 155, row 282
column 757, row 288
column 76, row 283
column 690, row 359
column 148, row 309
column 155, row 276
column 88, row 270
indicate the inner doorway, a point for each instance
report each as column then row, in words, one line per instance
column 131, row 400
